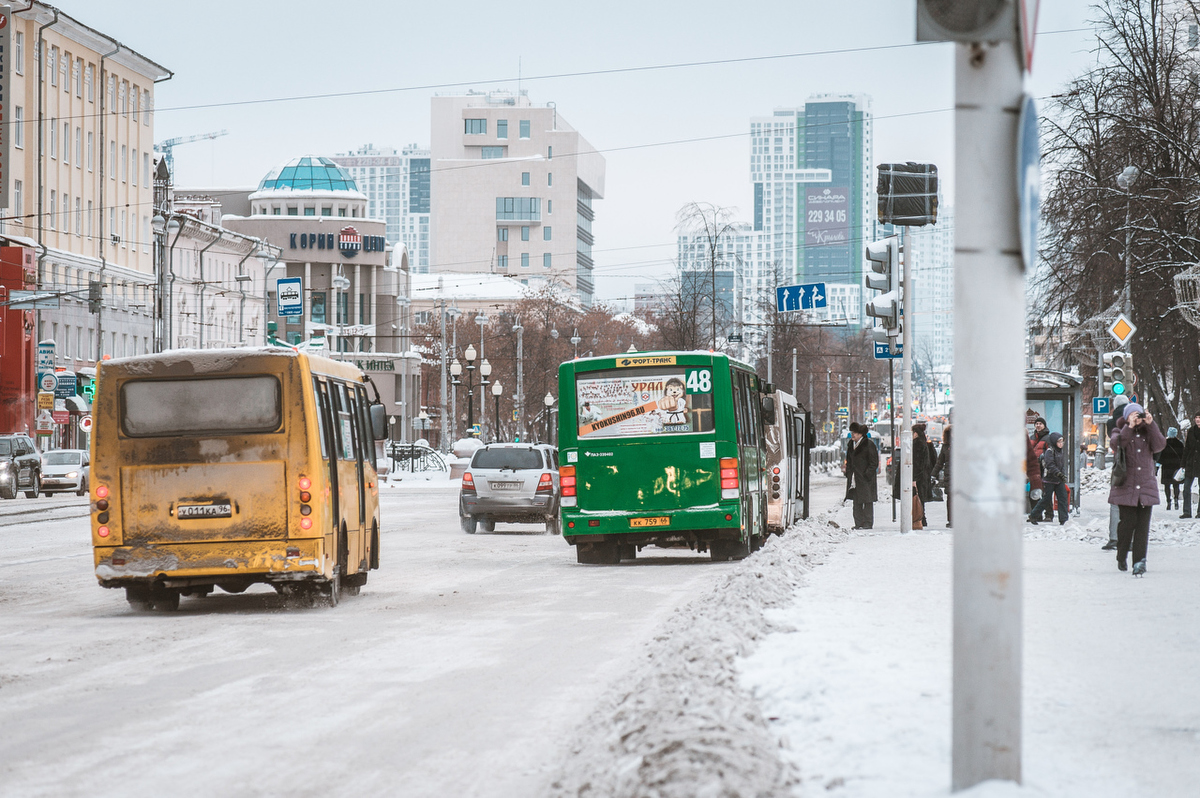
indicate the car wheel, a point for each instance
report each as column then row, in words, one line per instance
column 83, row 488
column 552, row 525
column 487, row 526
column 469, row 524
column 9, row 491
column 35, row 488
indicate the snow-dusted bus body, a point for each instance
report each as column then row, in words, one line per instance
column 222, row 468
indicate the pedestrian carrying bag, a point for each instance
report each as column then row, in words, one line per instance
column 935, row 494
column 1119, row 467
column 1180, row 475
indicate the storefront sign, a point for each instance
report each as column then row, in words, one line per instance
column 375, row 365
column 45, row 400
column 349, row 242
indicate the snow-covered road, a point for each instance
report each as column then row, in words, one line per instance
column 458, row 671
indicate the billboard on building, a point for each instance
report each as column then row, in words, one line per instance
column 827, row 216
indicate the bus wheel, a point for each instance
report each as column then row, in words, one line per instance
column 166, row 600
column 298, row 596
column 468, row 524
column 597, row 553
column 333, row 589
column 374, row 545
column 628, row 551
column 724, row 550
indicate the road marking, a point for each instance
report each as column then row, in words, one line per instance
column 45, row 559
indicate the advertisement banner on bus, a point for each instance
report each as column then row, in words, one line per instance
column 671, row 401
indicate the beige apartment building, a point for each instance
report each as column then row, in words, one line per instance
column 512, row 188
column 81, row 188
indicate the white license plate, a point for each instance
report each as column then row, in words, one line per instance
column 505, row 485
column 204, row 511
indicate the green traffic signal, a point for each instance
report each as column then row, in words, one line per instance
column 1118, row 388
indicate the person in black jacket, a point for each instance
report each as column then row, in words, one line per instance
column 942, row 466
column 1191, row 465
column 1170, row 460
column 862, row 464
column 1054, row 480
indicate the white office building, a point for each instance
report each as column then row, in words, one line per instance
column 932, row 250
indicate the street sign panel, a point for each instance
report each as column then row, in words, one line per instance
column 61, row 416
column 45, row 356
column 66, row 385
column 48, row 382
column 45, row 423
column 884, row 351
column 1122, row 329
column 45, row 400
column 808, row 296
column 843, row 411
column 32, row 300
column 289, row 291
column 1101, row 406
column 735, row 338
column 85, row 423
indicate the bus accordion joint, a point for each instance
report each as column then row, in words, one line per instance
column 566, row 481
column 729, row 478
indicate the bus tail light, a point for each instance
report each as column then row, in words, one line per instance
column 306, row 522
column 305, row 483
column 101, row 491
column 545, row 484
column 566, row 480
column 102, row 531
column 468, row 481
column 729, row 478
column 293, row 551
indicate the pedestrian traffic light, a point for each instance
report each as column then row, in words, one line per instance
column 1115, row 373
column 883, row 257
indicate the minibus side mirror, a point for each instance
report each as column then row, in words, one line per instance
column 768, row 409
column 378, row 422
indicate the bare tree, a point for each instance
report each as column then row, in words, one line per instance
column 712, row 223
column 1136, row 107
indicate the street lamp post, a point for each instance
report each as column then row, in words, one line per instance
column 485, row 370
column 497, row 389
column 548, row 401
column 469, row 356
column 1125, row 181
column 575, row 339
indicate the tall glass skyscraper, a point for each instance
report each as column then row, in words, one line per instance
column 814, row 196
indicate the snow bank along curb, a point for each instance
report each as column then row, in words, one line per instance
column 679, row 724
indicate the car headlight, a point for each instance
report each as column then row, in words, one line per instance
column 72, row 475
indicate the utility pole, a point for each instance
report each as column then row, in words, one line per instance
column 794, row 375
column 519, row 397
column 770, row 351
column 989, row 305
column 906, row 444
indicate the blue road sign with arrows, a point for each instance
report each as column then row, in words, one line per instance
column 808, row 296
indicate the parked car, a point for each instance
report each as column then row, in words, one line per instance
column 65, row 470
column 20, row 466
column 510, row 483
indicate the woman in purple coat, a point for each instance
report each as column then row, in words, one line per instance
column 1139, row 437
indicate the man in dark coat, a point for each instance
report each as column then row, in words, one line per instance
column 1191, row 465
column 942, row 466
column 1170, row 460
column 862, row 464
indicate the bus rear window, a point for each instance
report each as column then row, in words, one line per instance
column 624, row 403
column 160, row 408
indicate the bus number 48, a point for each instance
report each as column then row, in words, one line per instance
column 699, row 381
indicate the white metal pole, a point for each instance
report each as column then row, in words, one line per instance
column 445, row 431
column 988, row 458
column 794, row 375
column 906, row 445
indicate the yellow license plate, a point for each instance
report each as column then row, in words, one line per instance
column 660, row 520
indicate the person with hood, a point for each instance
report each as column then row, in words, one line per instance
column 1054, row 480
column 1170, row 460
column 1191, row 465
column 862, row 464
column 1138, row 438
column 942, row 466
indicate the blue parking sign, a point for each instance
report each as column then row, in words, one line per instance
column 1101, row 406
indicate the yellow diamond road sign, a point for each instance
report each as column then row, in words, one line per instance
column 1122, row 329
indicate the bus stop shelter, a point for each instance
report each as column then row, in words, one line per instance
column 1057, row 397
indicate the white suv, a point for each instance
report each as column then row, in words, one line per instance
column 510, row 483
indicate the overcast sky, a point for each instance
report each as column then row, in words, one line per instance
column 253, row 50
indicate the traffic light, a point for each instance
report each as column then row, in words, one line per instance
column 966, row 21
column 1116, row 373
column 884, row 259
column 94, row 296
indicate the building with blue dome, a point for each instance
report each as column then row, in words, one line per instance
column 310, row 185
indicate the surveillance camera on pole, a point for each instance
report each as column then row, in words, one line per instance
column 884, row 259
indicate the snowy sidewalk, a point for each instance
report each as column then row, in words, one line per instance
column 859, row 691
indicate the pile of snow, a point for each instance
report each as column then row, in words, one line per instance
column 680, row 724
column 1095, row 480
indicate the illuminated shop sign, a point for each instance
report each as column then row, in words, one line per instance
column 348, row 241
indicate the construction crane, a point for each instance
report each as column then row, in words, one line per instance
column 165, row 147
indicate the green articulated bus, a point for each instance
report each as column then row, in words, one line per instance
column 663, row 449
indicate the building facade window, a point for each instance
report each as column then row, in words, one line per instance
column 91, row 87
column 124, row 163
column 549, row 178
column 502, row 261
column 52, row 214
column 112, row 160
column 146, row 169
column 546, row 261
column 518, row 209
column 524, row 128
column 501, row 128
column 77, row 77
column 19, row 52
column 78, row 216
column 18, row 199
column 546, row 233
column 501, row 233
column 524, row 260
column 524, row 178
column 309, row 210
column 78, row 148
column 52, row 66
column 18, row 126
column 525, row 233
column 491, row 152
column 475, row 127
column 146, row 107
column 53, row 137
column 90, row 216
column 90, row 157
